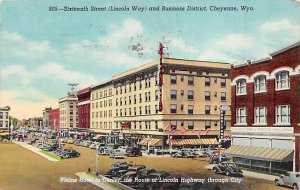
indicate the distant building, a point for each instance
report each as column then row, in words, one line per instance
column 54, row 118
column 68, row 111
column 84, row 105
column 4, row 117
column 266, row 112
column 36, row 122
column 46, row 117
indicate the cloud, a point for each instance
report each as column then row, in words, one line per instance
column 17, row 45
column 14, row 71
column 235, row 42
column 279, row 25
column 56, row 71
column 181, row 45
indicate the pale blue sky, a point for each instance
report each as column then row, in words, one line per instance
column 41, row 51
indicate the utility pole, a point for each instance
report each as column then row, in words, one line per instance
column 222, row 126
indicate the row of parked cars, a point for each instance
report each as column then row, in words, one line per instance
column 142, row 178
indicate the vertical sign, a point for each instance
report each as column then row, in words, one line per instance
column 222, row 124
column 160, row 75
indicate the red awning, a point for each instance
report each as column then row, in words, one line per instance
column 151, row 141
column 181, row 142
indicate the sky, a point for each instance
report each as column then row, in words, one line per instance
column 41, row 51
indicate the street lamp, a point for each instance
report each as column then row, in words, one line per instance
column 97, row 159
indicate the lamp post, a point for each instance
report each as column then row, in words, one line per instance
column 97, row 159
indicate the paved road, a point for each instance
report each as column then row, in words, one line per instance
column 23, row 169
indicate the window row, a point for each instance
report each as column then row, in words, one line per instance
column 150, row 125
column 133, row 87
column 190, row 95
column 102, row 94
column 105, row 125
column 190, row 81
column 104, row 103
column 190, row 124
column 282, row 115
column 190, row 110
column 5, row 114
column 134, row 111
column 102, row 114
column 282, row 82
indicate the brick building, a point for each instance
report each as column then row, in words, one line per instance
column 54, row 118
column 84, row 108
column 265, row 116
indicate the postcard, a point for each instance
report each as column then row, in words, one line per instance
column 140, row 94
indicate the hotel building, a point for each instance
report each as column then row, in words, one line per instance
column 84, row 108
column 54, row 118
column 266, row 112
column 192, row 93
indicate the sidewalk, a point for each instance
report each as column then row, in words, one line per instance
column 251, row 174
column 101, row 184
column 35, row 150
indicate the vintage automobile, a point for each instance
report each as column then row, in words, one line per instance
column 228, row 168
column 129, row 179
column 183, row 154
column 133, row 151
column 116, row 154
column 69, row 153
column 214, row 159
column 144, row 173
column 154, row 181
column 112, row 173
column 290, row 179
column 121, row 165
column 136, row 168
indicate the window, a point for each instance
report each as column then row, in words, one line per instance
column 129, row 100
column 174, row 125
column 207, row 95
column 207, row 109
column 156, row 95
column 141, row 85
column 207, row 81
column 215, row 123
column 223, row 96
column 173, row 79
column 182, row 107
column 190, row 80
column 260, row 115
column 282, row 80
column 190, row 95
column 190, row 124
column 182, row 92
column 241, row 116
column 120, row 101
column 260, row 83
column 241, row 87
column 190, row 109
column 173, row 108
column 140, row 98
column 182, row 123
column 182, row 78
column 207, row 124
column 223, row 82
column 156, row 125
column 283, row 114
column 173, row 94
column 134, row 87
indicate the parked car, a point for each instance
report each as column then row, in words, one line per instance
column 228, row 168
column 183, row 154
column 290, row 179
column 136, row 168
column 121, row 165
column 112, row 173
column 76, row 142
column 154, row 180
column 94, row 145
column 103, row 151
column 116, row 154
column 214, row 159
column 70, row 141
column 133, row 151
column 144, row 173
column 129, row 179
column 70, row 153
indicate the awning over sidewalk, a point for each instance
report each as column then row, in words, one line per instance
column 4, row 134
column 181, row 142
column 151, row 141
column 261, row 153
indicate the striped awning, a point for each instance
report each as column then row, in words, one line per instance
column 151, row 141
column 260, row 153
column 181, row 142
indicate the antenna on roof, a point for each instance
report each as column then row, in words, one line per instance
column 73, row 86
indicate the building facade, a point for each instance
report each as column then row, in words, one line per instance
column 191, row 95
column 68, row 111
column 266, row 112
column 54, row 118
column 4, row 117
column 46, row 117
column 84, row 105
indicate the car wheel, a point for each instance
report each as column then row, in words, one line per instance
column 295, row 186
column 227, row 173
column 215, row 170
column 277, row 183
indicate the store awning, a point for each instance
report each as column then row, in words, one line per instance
column 260, row 153
column 151, row 141
column 4, row 134
column 181, row 142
